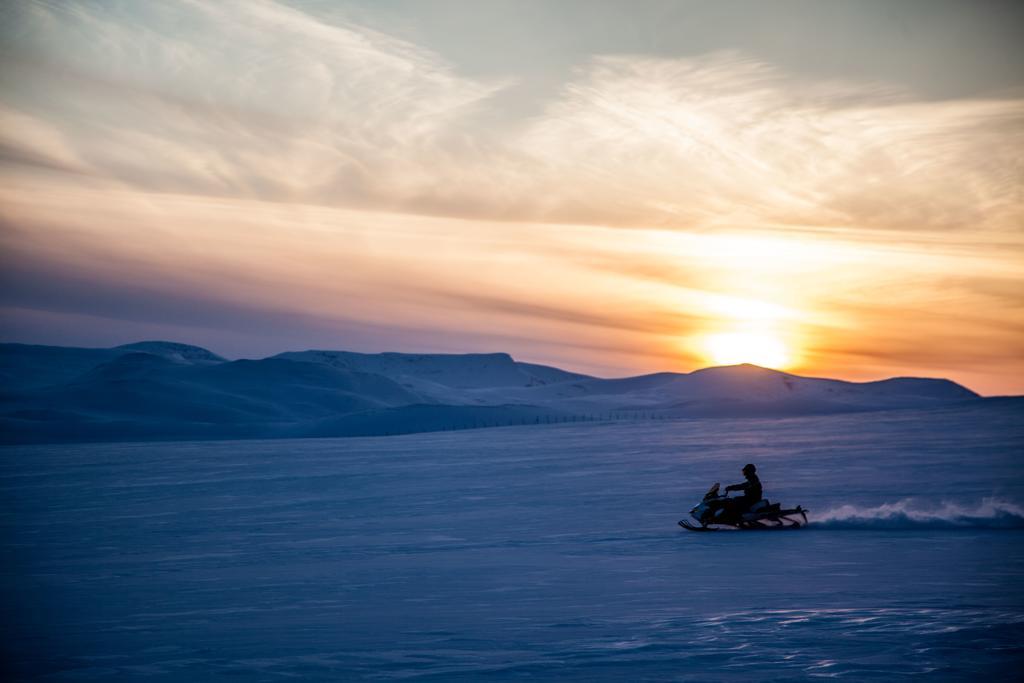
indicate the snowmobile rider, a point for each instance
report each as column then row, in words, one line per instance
column 751, row 490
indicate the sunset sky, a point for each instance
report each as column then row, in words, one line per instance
column 834, row 189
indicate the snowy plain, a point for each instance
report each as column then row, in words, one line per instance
column 542, row 552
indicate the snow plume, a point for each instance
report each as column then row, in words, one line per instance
column 908, row 514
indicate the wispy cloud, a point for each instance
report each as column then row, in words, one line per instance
column 245, row 98
column 258, row 99
column 724, row 139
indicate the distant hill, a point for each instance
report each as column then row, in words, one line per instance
column 180, row 353
column 165, row 390
column 431, row 371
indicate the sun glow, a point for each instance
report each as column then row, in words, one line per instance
column 750, row 330
column 759, row 348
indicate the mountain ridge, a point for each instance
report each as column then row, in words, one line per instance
column 169, row 390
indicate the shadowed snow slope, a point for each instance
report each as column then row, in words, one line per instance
column 466, row 371
column 165, row 390
column 182, row 353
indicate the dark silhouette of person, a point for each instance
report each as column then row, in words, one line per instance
column 751, row 490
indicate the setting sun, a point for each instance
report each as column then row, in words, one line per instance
column 758, row 348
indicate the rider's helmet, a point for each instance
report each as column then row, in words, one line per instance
column 749, row 469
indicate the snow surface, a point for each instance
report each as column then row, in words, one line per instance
column 540, row 553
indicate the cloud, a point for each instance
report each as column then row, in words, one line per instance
column 724, row 139
column 257, row 99
column 242, row 98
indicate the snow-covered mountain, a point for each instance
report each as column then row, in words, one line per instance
column 180, row 353
column 751, row 390
column 436, row 375
column 165, row 390
column 25, row 366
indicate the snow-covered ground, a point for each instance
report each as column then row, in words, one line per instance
column 523, row 553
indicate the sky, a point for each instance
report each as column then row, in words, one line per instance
column 830, row 188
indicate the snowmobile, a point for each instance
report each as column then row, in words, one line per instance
column 715, row 513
